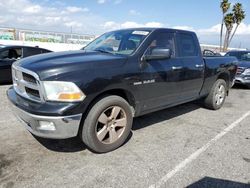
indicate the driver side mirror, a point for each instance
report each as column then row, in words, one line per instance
column 158, row 54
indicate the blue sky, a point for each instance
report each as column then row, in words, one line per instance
column 196, row 13
column 98, row 16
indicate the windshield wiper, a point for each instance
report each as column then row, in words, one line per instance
column 104, row 51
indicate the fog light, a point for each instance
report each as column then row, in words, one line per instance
column 47, row 126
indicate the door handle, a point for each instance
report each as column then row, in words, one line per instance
column 199, row 65
column 177, row 68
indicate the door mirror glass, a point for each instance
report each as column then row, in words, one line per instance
column 158, row 54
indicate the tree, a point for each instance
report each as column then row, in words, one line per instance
column 239, row 16
column 229, row 23
column 225, row 5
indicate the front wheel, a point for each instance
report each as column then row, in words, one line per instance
column 107, row 124
column 217, row 95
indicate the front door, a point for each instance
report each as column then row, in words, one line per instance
column 159, row 86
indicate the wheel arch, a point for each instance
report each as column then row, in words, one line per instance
column 225, row 76
column 123, row 93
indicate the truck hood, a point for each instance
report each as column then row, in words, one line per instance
column 245, row 64
column 56, row 64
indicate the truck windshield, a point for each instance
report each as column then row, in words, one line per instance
column 118, row 42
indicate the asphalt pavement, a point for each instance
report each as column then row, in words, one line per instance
column 184, row 146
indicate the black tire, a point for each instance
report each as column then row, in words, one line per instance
column 211, row 100
column 90, row 127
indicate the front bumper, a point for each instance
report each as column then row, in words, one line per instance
column 56, row 127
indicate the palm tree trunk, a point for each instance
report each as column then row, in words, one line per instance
column 221, row 32
column 225, row 42
column 228, row 37
column 233, row 34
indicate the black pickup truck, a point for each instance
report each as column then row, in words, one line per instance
column 95, row 92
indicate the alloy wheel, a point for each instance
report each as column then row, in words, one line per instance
column 111, row 124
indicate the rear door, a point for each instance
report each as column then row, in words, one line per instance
column 192, row 65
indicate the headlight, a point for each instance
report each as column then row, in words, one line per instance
column 246, row 72
column 62, row 91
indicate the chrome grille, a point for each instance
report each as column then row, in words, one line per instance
column 26, row 84
column 240, row 70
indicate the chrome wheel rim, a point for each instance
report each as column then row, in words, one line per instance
column 111, row 124
column 220, row 95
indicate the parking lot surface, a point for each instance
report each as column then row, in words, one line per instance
column 184, row 146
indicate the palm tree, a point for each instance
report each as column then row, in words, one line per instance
column 239, row 16
column 229, row 22
column 225, row 5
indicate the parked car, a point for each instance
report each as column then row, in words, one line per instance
column 210, row 53
column 243, row 71
column 11, row 53
column 96, row 92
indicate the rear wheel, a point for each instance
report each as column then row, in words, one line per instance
column 107, row 124
column 217, row 95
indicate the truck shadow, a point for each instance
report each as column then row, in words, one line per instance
column 69, row 145
column 240, row 87
column 6, row 84
column 220, row 183
column 76, row 145
column 164, row 115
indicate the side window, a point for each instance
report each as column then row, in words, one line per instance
column 235, row 54
column 31, row 51
column 208, row 53
column 4, row 54
column 187, row 45
column 163, row 40
column 245, row 56
column 45, row 51
column 13, row 53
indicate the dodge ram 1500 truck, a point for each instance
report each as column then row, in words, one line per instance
column 95, row 92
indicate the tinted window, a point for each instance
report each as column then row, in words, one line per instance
column 162, row 40
column 243, row 56
column 4, row 54
column 187, row 45
column 235, row 54
column 31, row 51
column 45, row 51
column 13, row 53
